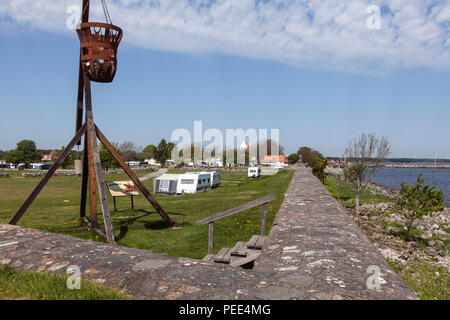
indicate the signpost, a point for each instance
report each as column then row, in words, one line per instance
column 122, row 189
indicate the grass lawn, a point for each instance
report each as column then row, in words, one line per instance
column 42, row 286
column 56, row 209
column 345, row 193
column 431, row 282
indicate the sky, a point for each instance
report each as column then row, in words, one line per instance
column 316, row 70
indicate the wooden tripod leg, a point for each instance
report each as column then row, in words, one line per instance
column 48, row 175
column 100, row 182
column 92, row 182
column 84, row 180
column 94, row 161
column 133, row 177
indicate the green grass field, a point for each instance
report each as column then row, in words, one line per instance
column 345, row 193
column 56, row 209
column 42, row 286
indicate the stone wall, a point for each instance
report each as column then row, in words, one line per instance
column 314, row 251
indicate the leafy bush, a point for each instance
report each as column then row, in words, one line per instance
column 418, row 200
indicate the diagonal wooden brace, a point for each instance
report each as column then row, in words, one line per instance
column 134, row 178
column 48, row 175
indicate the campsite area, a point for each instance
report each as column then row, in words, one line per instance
column 142, row 227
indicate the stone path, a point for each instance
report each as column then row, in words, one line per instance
column 314, row 251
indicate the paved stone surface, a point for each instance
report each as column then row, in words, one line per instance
column 315, row 245
column 314, row 251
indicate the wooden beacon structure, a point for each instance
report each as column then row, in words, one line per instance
column 98, row 62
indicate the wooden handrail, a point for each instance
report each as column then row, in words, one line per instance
column 211, row 219
column 235, row 210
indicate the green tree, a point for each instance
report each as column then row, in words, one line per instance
column 319, row 168
column 106, row 159
column 418, row 200
column 162, row 152
column 148, row 152
column 308, row 155
column 292, row 158
column 26, row 152
column 3, row 154
column 367, row 152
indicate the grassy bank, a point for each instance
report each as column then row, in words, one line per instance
column 56, row 210
column 41, row 286
column 345, row 193
column 413, row 260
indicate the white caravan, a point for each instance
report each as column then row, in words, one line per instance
column 254, row 172
column 192, row 182
column 215, row 178
column 166, row 183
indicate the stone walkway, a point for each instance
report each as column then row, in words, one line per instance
column 314, row 251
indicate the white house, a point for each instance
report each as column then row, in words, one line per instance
column 151, row 162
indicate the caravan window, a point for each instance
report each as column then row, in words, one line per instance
column 187, row 181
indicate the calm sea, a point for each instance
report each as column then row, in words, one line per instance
column 393, row 177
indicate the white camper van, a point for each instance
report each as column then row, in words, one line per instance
column 166, row 183
column 192, row 182
column 254, row 172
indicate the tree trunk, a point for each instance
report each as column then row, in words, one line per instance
column 408, row 229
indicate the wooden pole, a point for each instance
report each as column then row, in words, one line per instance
column 264, row 219
column 93, row 147
column 84, row 180
column 79, row 119
column 48, row 175
column 134, row 178
column 211, row 238
column 92, row 186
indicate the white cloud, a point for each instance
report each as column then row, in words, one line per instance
column 312, row 33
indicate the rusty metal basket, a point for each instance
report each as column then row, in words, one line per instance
column 99, row 43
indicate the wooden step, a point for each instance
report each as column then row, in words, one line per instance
column 208, row 257
column 252, row 255
column 240, row 249
column 223, row 256
column 256, row 242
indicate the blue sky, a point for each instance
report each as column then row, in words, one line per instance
column 327, row 94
